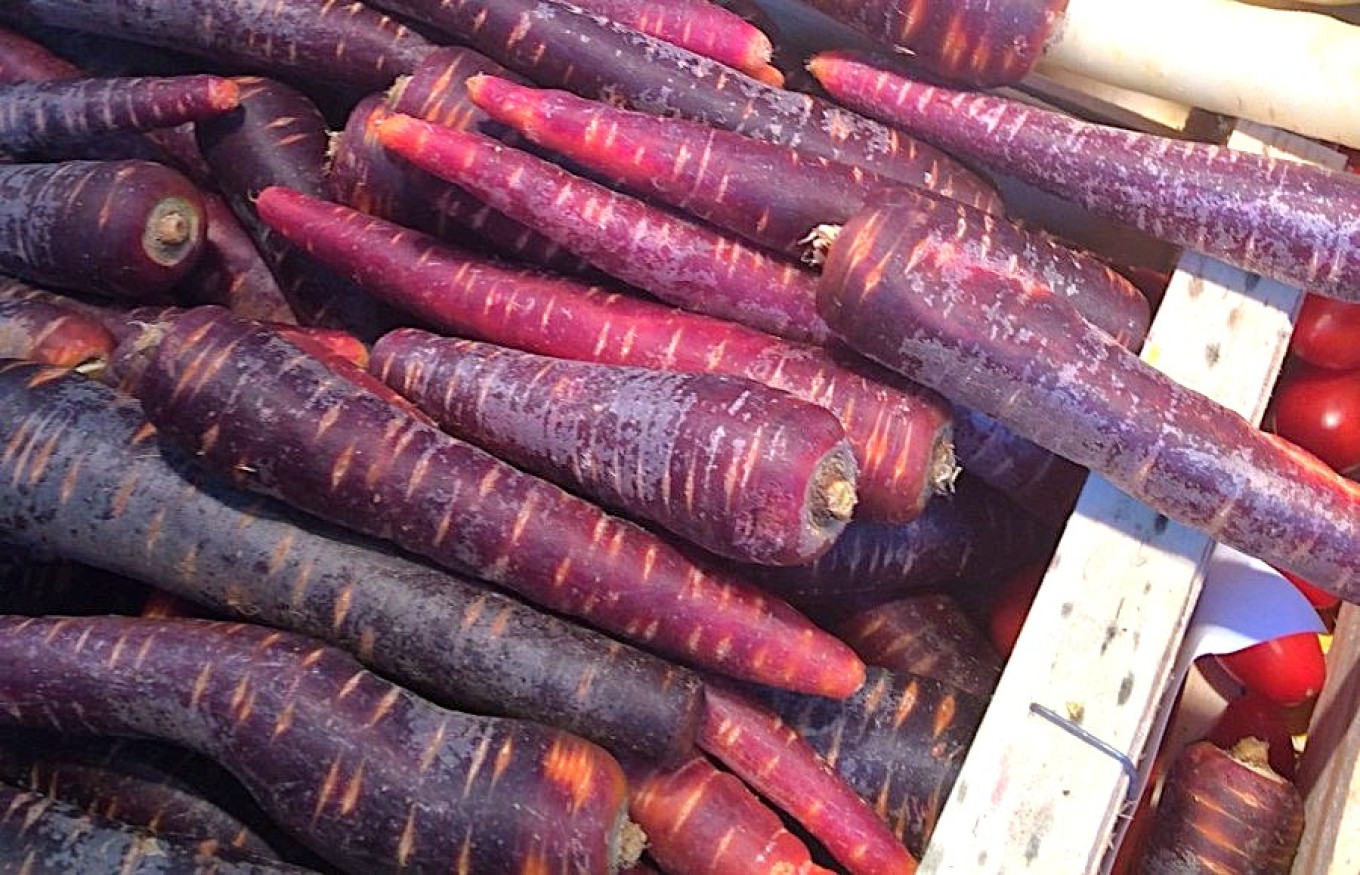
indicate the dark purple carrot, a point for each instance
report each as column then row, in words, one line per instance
column 777, row 197
column 347, row 45
column 50, row 333
column 900, row 434
column 70, row 445
column 742, row 470
column 927, row 634
column 1224, row 811
column 559, row 46
column 678, row 260
column 435, row 90
column 231, row 271
column 252, row 405
column 776, row 762
column 1295, row 222
column 1014, row 351
column 701, row 820
column 970, row 534
column 44, row 836
column 23, row 59
column 900, row 742
column 129, row 229
column 278, row 136
column 35, row 115
column 367, row 774
column 697, row 25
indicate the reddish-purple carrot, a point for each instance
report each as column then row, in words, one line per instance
column 900, row 433
column 435, row 90
column 697, row 25
column 1295, row 222
column 37, row 115
column 560, row 46
column 129, row 229
column 776, row 196
column 349, row 45
column 1015, row 351
column 770, row 756
column 42, row 331
column 252, row 405
column 743, row 470
column 675, row 259
column 25, row 60
column 369, row 775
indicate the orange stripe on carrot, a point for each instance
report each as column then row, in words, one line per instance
column 327, row 788
column 343, row 602
column 433, row 746
column 384, row 706
column 353, row 789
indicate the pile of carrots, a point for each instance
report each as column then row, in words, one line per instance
column 511, row 436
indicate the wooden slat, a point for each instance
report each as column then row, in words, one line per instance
column 1104, row 634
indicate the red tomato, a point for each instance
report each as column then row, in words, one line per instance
column 1008, row 610
column 1317, row 596
column 1320, row 411
column 1327, row 333
column 1289, row 670
column 1252, row 715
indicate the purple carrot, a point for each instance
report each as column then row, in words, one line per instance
column 34, row 115
column 560, row 46
column 771, row 757
column 130, row 229
column 973, row 533
column 366, row 773
column 231, row 271
column 777, row 197
column 277, row 136
column 675, row 259
column 282, row 424
column 1042, row 483
column 349, row 45
column 23, row 59
column 435, row 90
column 900, row 434
column 697, row 25
column 738, row 468
column 1295, row 222
column 42, row 331
column 1016, row 352
column 78, row 445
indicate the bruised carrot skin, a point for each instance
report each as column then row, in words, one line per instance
column 128, row 229
column 928, row 634
column 697, row 25
column 742, row 470
column 250, row 405
column 1224, row 811
column 1295, row 222
column 900, row 434
column 775, row 761
column 1020, row 354
column 52, row 334
column 25, row 60
column 366, row 773
column 559, row 46
column 349, row 45
column 676, row 259
column 34, row 115
column 973, row 42
column 701, row 820
column 900, row 742
column 70, row 443
column 44, row 836
column 970, row 534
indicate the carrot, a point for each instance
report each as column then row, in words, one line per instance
column 435, row 90
column 970, row 534
column 278, row 136
column 776, row 196
column 926, row 633
column 702, row 820
column 128, row 229
column 47, row 332
column 899, row 741
column 738, row 468
column 257, row 414
column 700, row 26
column 70, row 444
column 231, row 271
column 1014, row 351
column 1224, row 811
column 39, row 834
column 364, row 772
column 786, row 56
column 1298, row 223
column 773, row 759
column 678, row 260
column 23, row 59
column 559, row 46
column 34, row 115
column 345, row 45
column 900, row 434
